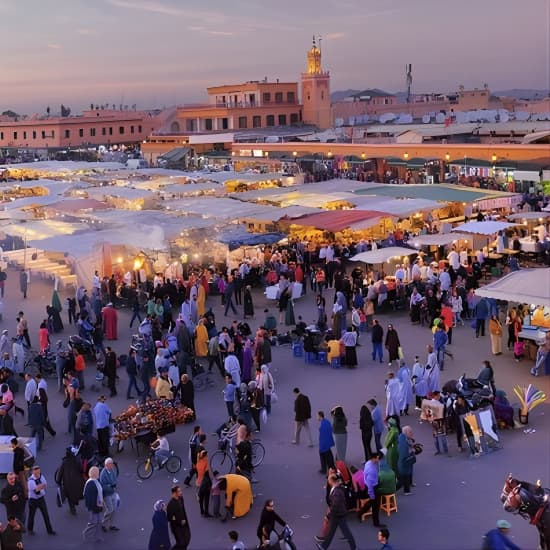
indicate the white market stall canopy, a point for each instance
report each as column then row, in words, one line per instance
column 438, row 239
column 529, row 216
column 381, row 255
column 529, row 286
column 483, row 228
column 398, row 207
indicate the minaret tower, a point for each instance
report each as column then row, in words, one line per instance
column 316, row 90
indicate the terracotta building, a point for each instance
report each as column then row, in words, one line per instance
column 93, row 127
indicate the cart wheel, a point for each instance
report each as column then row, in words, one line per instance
column 222, row 462
column 173, row 464
column 120, row 446
column 145, row 469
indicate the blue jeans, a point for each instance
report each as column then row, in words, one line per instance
column 441, row 357
column 440, row 442
column 377, row 351
column 132, row 383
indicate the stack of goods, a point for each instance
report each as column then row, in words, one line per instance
column 153, row 416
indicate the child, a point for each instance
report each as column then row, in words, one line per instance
column 215, row 492
column 439, row 429
column 234, row 538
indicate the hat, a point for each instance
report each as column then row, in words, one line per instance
column 503, row 524
column 392, row 422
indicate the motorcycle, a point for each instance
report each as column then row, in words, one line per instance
column 84, row 346
column 476, row 394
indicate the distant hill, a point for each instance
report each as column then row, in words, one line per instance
column 522, row 93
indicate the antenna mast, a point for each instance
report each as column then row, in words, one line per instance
column 409, row 79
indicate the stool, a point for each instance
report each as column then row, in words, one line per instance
column 309, row 357
column 335, row 363
column 388, row 503
column 362, row 502
column 297, row 350
column 322, row 357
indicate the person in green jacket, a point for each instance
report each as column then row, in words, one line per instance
column 390, row 442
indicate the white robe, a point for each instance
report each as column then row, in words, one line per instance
column 406, row 395
column 393, row 394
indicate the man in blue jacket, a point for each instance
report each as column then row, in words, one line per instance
column 497, row 539
column 326, row 442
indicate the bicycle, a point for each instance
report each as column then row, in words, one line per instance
column 223, row 460
column 146, row 467
column 258, row 453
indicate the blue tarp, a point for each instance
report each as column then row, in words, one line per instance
column 236, row 239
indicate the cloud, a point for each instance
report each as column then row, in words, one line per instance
column 148, row 5
column 55, row 46
column 221, row 33
column 333, row 35
column 86, row 32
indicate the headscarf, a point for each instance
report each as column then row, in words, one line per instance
column 158, row 506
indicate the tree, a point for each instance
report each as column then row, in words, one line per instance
column 65, row 111
column 10, row 113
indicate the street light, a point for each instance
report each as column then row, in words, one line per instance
column 447, row 157
column 405, row 155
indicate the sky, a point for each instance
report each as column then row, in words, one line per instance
column 157, row 53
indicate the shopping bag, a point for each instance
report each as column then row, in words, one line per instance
column 519, row 349
column 400, row 353
column 263, row 416
column 274, row 396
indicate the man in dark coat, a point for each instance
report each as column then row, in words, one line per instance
column 110, row 370
column 37, row 421
column 302, row 414
column 264, row 355
column 177, row 517
column 69, row 477
column 377, row 337
column 13, row 498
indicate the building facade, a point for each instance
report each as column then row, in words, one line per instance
column 93, row 127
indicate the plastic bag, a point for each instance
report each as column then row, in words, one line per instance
column 263, row 416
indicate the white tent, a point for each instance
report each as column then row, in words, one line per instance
column 438, row 239
column 530, row 286
column 483, row 228
column 382, row 254
column 529, row 216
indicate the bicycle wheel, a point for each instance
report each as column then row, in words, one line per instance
column 173, row 464
column 145, row 469
column 222, row 462
column 258, row 453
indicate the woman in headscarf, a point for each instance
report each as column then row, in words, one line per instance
column 160, row 538
column 266, row 385
column 341, row 300
column 392, row 344
column 43, row 336
column 391, row 445
column 340, row 432
column 406, row 395
column 289, row 312
column 405, row 459
column 337, row 320
column 248, row 361
column 186, row 392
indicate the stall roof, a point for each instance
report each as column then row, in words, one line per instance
column 397, row 207
column 530, row 286
column 382, row 254
column 119, row 191
column 74, row 205
column 438, row 192
column 437, row 239
column 43, row 229
column 337, row 220
column 529, row 216
column 483, row 228
column 235, row 238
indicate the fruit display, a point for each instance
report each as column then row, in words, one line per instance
column 152, row 416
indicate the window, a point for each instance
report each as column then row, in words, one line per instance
column 67, row 134
column 121, row 130
column 282, row 120
column 92, row 132
column 294, row 118
column 139, row 129
column 308, row 97
column 278, row 97
column 14, row 135
column 225, row 123
column 81, row 132
column 291, row 97
column 43, row 134
column 242, row 122
column 208, row 124
column 110, row 130
column 267, row 97
column 256, row 121
column 24, row 135
column 270, row 120
column 322, row 95
column 131, row 129
column 103, row 131
column 34, row 134
column 53, row 134
column 1, row 135
column 252, row 99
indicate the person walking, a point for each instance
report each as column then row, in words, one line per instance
column 159, row 538
column 392, row 344
column 13, row 498
column 177, row 517
column 377, row 422
column 377, row 337
column 132, row 372
column 109, row 480
column 23, row 283
column 110, row 369
column 440, row 342
column 93, row 499
column 405, row 459
column 228, row 296
column 37, row 486
column 339, row 430
column 19, row 464
column 497, row 539
column 31, row 389
column 326, row 442
column 336, row 516
column 102, row 414
column 495, row 332
column 302, row 415
column 69, row 478
column 366, row 427
column 37, row 421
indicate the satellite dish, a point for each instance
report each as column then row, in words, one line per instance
column 426, row 119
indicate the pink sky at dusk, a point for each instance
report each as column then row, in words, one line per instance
column 163, row 52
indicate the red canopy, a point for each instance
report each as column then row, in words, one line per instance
column 337, row 220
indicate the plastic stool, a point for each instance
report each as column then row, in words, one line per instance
column 322, row 357
column 309, row 357
column 297, row 350
column 388, row 503
column 335, row 363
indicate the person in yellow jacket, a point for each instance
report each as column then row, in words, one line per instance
column 163, row 386
column 238, row 494
column 201, row 340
